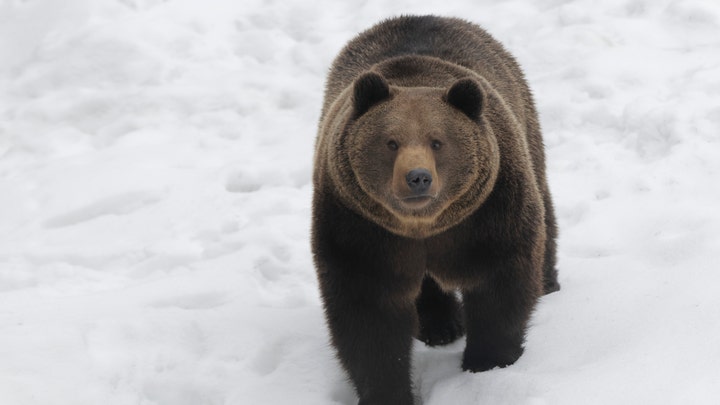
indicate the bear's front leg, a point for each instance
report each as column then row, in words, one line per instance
column 369, row 280
column 373, row 340
column 497, row 314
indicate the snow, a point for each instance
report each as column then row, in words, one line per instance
column 155, row 161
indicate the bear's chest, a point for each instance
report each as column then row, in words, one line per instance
column 453, row 263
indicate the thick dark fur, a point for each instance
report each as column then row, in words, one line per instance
column 388, row 272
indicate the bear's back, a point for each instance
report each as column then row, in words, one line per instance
column 450, row 39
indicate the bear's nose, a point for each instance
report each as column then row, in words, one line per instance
column 419, row 180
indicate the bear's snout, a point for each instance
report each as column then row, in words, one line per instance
column 419, row 181
column 415, row 181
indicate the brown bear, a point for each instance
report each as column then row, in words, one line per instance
column 429, row 181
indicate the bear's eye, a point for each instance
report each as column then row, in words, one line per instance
column 392, row 145
column 436, row 145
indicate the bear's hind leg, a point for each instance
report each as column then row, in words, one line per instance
column 440, row 315
column 550, row 273
column 550, row 283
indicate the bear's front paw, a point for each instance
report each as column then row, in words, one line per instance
column 477, row 362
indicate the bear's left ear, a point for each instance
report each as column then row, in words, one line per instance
column 369, row 89
column 466, row 95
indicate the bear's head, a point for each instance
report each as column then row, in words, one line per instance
column 423, row 157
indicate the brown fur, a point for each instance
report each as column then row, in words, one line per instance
column 441, row 98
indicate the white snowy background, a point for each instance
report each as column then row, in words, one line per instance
column 155, row 167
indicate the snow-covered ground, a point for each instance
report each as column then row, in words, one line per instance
column 155, row 161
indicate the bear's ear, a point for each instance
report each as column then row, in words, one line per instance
column 370, row 88
column 466, row 96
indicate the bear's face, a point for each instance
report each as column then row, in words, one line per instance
column 419, row 151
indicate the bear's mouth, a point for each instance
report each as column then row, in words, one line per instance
column 418, row 197
column 417, row 201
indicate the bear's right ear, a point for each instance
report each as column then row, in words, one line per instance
column 369, row 89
